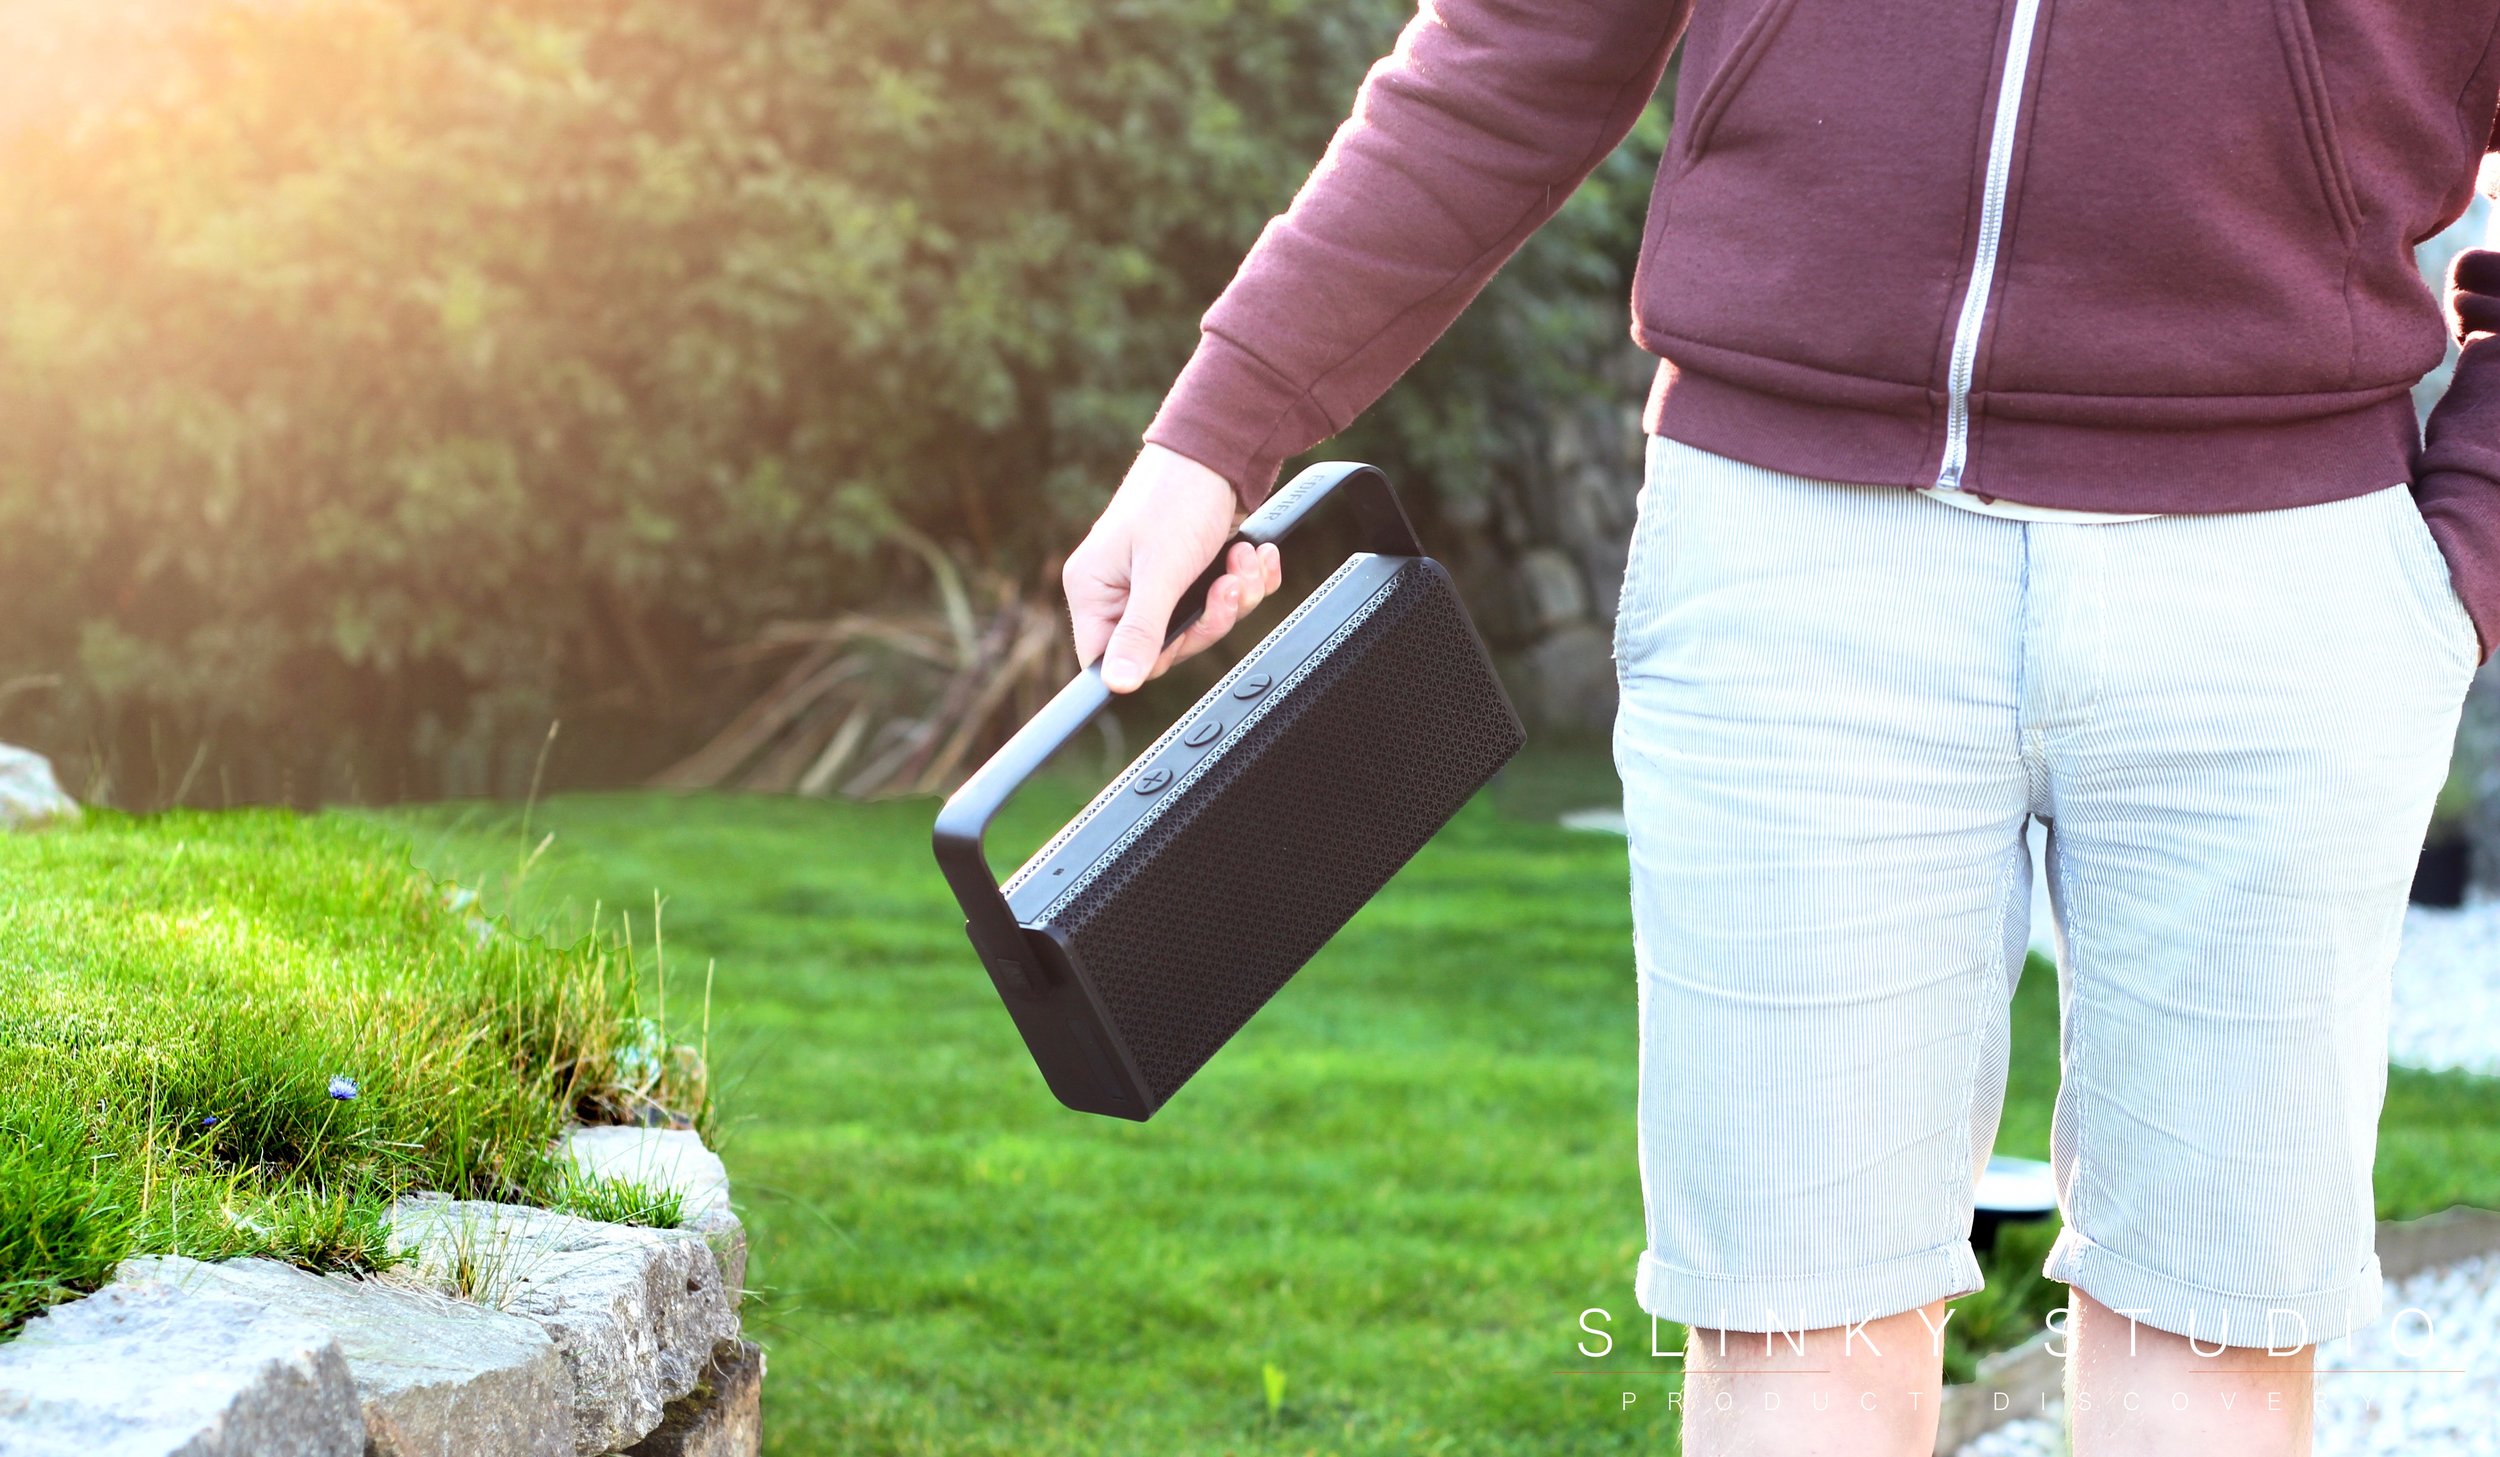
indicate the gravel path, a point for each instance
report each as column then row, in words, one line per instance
column 2447, row 1002
column 2030, row 1437
column 2442, row 1337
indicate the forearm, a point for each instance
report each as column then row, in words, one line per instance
column 1462, row 142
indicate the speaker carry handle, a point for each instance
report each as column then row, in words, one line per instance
column 995, row 933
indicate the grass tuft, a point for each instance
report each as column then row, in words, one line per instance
column 622, row 1201
column 248, row 1033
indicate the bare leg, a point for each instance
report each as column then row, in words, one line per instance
column 2166, row 1399
column 1858, row 1391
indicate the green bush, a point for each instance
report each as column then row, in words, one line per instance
column 379, row 379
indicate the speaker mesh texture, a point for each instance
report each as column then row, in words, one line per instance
column 1224, row 897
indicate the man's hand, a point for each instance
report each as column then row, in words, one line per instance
column 1163, row 526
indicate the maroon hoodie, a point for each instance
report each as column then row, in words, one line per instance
column 2114, row 255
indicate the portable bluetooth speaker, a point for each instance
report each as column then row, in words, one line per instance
column 1151, row 927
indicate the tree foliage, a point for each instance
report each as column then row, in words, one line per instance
column 381, row 378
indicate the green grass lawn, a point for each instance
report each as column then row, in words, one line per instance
column 247, row 1033
column 1385, row 1205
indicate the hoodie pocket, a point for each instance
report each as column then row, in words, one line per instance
column 2317, row 120
column 1725, row 82
column 1810, row 218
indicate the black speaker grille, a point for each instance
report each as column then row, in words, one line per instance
column 1243, row 878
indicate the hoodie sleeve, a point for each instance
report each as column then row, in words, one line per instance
column 1463, row 141
column 2456, row 478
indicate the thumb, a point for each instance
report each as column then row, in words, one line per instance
column 1138, row 640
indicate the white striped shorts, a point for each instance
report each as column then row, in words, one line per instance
column 1840, row 706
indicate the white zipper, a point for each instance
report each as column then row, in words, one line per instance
column 1991, row 231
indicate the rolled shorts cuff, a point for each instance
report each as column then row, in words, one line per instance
column 1805, row 1302
column 2182, row 1307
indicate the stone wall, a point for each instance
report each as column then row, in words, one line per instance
column 1541, row 558
column 509, row 1331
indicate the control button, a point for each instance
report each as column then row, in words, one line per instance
column 1153, row 780
column 1207, row 732
column 1253, row 686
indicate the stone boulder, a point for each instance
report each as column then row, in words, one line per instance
column 436, row 1377
column 672, row 1159
column 149, row 1368
column 29, row 795
column 635, row 1313
column 722, row 1417
column 1565, row 683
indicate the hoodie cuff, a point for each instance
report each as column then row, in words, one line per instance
column 1232, row 414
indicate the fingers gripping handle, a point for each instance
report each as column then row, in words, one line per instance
column 967, row 815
